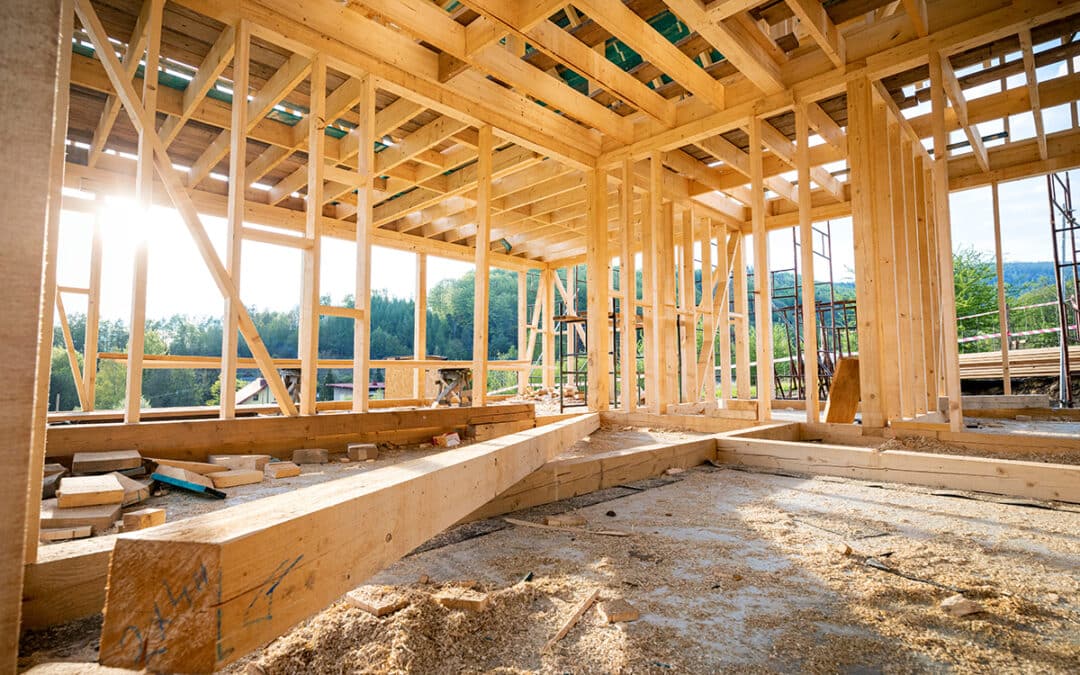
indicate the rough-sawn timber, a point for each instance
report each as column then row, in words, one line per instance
column 195, row 595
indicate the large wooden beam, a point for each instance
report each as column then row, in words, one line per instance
column 365, row 227
column 806, row 263
column 762, row 281
column 1028, row 52
column 816, row 21
column 598, row 271
column 482, row 274
column 30, row 32
column 196, row 595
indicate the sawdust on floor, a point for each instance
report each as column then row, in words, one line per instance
column 1027, row 454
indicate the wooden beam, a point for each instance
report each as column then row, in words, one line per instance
column 813, row 17
column 146, row 112
column 365, row 227
column 308, row 349
column 959, row 104
column 916, row 9
column 482, row 271
column 1032, row 81
column 622, row 22
column 235, row 221
column 628, row 288
column 206, row 77
column 950, row 356
column 182, row 200
column 234, row 604
column 687, row 309
column 1003, row 308
column 732, row 40
column 33, row 51
column 806, row 263
column 762, row 285
column 598, row 280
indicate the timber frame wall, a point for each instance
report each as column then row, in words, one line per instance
column 691, row 146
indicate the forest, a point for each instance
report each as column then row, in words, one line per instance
column 450, row 327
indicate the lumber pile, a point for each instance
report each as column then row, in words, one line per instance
column 90, row 501
column 1041, row 362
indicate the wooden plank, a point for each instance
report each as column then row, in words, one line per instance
column 1035, row 480
column 76, row 491
column 103, row 462
column 844, row 394
column 235, row 477
column 99, row 517
column 1003, row 308
column 294, row 575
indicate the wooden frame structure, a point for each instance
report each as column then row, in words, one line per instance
column 664, row 139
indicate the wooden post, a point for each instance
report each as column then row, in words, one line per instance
column 650, row 283
column 861, row 148
column 235, row 218
column 309, row 294
column 547, row 349
column 762, row 285
column 916, row 325
column 365, row 201
column 742, row 321
column 669, row 392
column 598, row 280
column 144, row 195
column 687, row 315
column 949, row 345
column 628, row 286
column 883, row 235
column 33, row 52
column 708, row 312
column 482, row 275
column 1003, row 309
column 926, row 283
column 806, row 248
column 901, row 257
column 93, row 314
column 725, row 240
column 420, row 325
column 43, row 365
column 523, row 328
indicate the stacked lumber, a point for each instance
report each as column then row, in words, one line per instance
column 1042, row 362
column 90, row 501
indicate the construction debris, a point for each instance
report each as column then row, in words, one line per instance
column 281, row 470
column 362, row 451
column 618, row 610
column 64, row 533
column 134, row 491
column 104, row 462
column 957, row 605
column 143, row 518
column 376, row 600
column 573, row 619
column 565, row 520
column 187, row 480
column 310, row 456
column 450, row 440
column 200, row 468
column 99, row 518
column 234, row 477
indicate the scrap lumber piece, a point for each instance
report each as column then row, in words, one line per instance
column 134, row 491
column 143, row 518
column 182, row 475
column 359, row 452
column 200, row 468
column 78, row 491
column 572, row 620
column 99, row 518
column 281, row 470
column 566, row 520
column 249, row 573
column 104, row 462
column 234, row 477
column 844, row 393
column 465, row 599
column 575, row 530
column 618, row 611
column 377, row 601
column 64, row 533
column 244, row 462
column 311, row 456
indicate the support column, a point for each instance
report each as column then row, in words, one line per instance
column 883, row 233
column 598, row 280
column 523, row 329
column 861, row 146
column 33, row 54
column 806, row 249
column 482, row 275
column 949, row 346
column 420, row 326
column 628, row 286
column 309, row 294
column 725, row 240
column 230, row 326
column 547, row 349
column 365, row 200
column 1003, row 308
column 93, row 312
column 687, row 316
column 742, row 321
column 650, row 284
column 762, row 285
column 144, row 195
column 43, row 366
column 708, row 313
